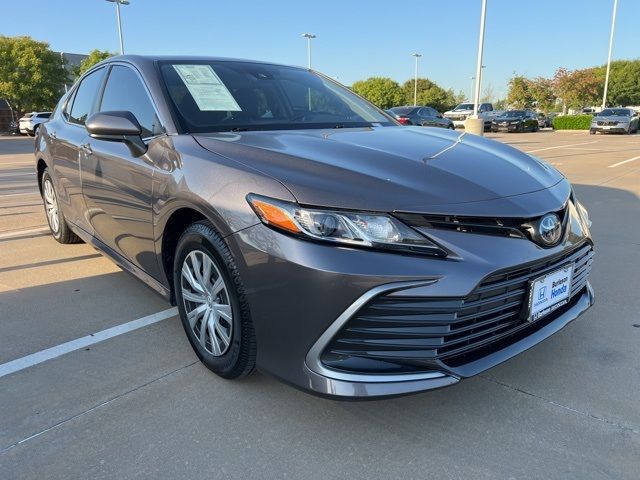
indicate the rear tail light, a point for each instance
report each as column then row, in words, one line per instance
column 403, row 120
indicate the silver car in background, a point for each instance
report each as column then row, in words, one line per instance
column 615, row 120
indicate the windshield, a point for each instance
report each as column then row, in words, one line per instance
column 514, row 114
column 464, row 106
column 615, row 112
column 216, row 96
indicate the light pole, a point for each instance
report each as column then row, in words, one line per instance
column 118, row 3
column 606, row 78
column 471, row 89
column 65, row 71
column 476, row 100
column 415, row 82
column 308, row 36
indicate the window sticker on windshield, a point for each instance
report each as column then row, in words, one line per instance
column 206, row 88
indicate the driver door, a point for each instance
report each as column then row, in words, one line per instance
column 117, row 185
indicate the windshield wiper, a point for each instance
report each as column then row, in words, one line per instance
column 239, row 129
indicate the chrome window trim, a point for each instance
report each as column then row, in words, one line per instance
column 313, row 362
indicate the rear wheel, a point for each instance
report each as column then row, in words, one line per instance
column 55, row 218
column 212, row 304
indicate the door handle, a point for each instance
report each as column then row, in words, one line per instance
column 86, row 148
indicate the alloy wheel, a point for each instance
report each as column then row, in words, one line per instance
column 206, row 302
column 51, row 206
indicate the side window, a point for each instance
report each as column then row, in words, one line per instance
column 125, row 91
column 85, row 97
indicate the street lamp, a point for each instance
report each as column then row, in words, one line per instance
column 308, row 36
column 476, row 100
column 415, row 83
column 606, row 78
column 118, row 3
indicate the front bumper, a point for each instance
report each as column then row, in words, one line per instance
column 504, row 128
column 301, row 293
column 371, row 386
column 611, row 129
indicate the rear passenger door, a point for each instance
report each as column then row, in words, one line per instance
column 68, row 153
column 118, row 186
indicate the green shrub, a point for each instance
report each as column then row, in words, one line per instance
column 572, row 122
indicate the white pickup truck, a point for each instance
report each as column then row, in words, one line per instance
column 459, row 114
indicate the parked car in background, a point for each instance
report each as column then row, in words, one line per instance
column 420, row 115
column 321, row 242
column 615, row 120
column 515, row 121
column 543, row 120
column 30, row 122
column 460, row 113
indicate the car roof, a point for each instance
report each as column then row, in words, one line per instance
column 143, row 60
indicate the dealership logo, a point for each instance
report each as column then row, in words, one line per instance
column 542, row 293
column 549, row 229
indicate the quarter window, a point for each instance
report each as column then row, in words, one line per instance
column 85, row 97
column 125, row 91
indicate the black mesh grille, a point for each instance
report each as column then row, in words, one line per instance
column 393, row 333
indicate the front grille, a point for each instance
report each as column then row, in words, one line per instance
column 457, row 117
column 513, row 227
column 607, row 123
column 395, row 333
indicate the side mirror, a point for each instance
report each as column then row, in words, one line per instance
column 117, row 126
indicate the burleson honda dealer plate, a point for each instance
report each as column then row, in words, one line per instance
column 549, row 292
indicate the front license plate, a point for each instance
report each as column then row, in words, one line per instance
column 549, row 292
column 607, row 127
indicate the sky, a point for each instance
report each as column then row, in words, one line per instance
column 356, row 39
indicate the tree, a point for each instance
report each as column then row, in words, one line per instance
column 31, row 75
column 624, row 82
column 381, row 91
column 487, row 95
column 429, row 93
column 578, row 88
column 500, row 104
column 457, row 98
column 519, row 95
column 94, row 57
column 541, row 89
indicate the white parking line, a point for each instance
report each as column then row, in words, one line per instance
column 561, row 146
column 82, row 342
column 21, row 233
column 5, row 195
column 624, row 161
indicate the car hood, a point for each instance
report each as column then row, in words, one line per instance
column 612, row 118
column 386, row 168
column 507, row 119
column 458, row 112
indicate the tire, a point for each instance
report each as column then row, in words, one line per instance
column 592, row 131
column 55, row 218
column 228, row 345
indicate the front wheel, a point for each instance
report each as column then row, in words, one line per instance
column 212, row 304
column 55, row 218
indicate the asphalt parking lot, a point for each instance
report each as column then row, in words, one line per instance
column 139, row 404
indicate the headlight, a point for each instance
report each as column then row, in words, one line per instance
column 515, row 123
column 349, row 228
column 583, row 214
